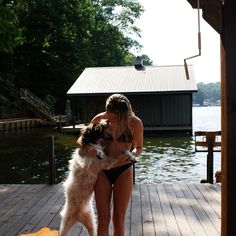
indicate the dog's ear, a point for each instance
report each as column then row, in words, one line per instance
column 79, row 141
column 90, row 150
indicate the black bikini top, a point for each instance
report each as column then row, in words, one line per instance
column 125, row 137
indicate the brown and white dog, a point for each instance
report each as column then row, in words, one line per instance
column 83, row 171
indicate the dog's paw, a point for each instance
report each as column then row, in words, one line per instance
column 129, row 156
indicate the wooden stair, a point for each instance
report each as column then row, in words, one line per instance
column 38, row 105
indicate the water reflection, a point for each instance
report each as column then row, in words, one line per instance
column 24, row 155
column 167, row 159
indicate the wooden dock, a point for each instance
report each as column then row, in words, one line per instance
column 157, row 209
column 14, row 124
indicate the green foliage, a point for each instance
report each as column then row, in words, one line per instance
column 52, row 41
column 207, row 92
column 10, row 32
column 146, row 60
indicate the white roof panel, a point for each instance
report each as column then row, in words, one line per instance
column 126, row 79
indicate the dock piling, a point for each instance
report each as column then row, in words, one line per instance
column 51, row 174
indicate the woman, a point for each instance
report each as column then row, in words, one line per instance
column 125, row 132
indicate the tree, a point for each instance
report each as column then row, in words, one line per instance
column 210, row 92
column 62, row 37
column 10, row 32
column 146, row 60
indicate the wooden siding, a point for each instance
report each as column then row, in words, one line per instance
column 170, row 111
column 94, row 105
column 148, row 108
column 176, row 110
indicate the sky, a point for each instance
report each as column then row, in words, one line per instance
column 169, row 33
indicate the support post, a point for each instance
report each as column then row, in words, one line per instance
column 210, row 138
column 51, row 160
column 133, row 173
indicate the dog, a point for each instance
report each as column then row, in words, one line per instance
column 83, row 171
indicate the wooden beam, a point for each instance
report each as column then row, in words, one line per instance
column 213, row 16
column 193, row 3
column 228, row 95
column 211, row 12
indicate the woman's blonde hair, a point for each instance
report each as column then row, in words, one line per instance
column 120, row 104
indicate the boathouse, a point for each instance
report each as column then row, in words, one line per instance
column 160, row 95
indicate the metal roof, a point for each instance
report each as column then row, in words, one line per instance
column 128, row 80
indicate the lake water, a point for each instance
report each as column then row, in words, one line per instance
column 166, row 158
column 171, row 158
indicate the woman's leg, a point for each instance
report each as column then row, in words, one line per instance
column 122, row 191
column 103, row 192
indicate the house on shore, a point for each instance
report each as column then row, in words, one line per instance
column 160, row 95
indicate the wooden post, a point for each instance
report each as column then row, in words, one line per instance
column 228, row 91
column 73, row 120
column 210, row 138
column 133, row 173
column 51, row 160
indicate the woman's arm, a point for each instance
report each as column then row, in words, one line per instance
column 97, row 118
column 138, row 137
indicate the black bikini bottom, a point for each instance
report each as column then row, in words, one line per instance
column 114, row 173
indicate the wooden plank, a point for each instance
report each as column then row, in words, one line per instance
column 203, row 133
column 52, row 211
column 17, row 220
column 158, row 218
column 55, row 222
column 213, row 217
column 6, row 191
column 213, row 197
column 217, row 187
column 136, row 216
column 14, row 198
column 45, row 202
column 147, row 220
column 80, row 230
column 128, row 220
column 205, row 144
column 170, row 221
column 199, row 212
column 12, row 207
column 160, row 209
column 194, row 223
column 31, row 209
column 178, row 212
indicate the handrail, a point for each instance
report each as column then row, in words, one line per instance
column 203, row 138
column 37, row 102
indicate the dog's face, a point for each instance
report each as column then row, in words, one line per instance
column 92, row 138
column 93, row 133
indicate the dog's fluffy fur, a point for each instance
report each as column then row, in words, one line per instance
column 82, row 177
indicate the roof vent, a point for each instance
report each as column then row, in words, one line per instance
column 138, row 63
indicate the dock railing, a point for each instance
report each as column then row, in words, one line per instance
column 37, row 103
column 208, row 141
